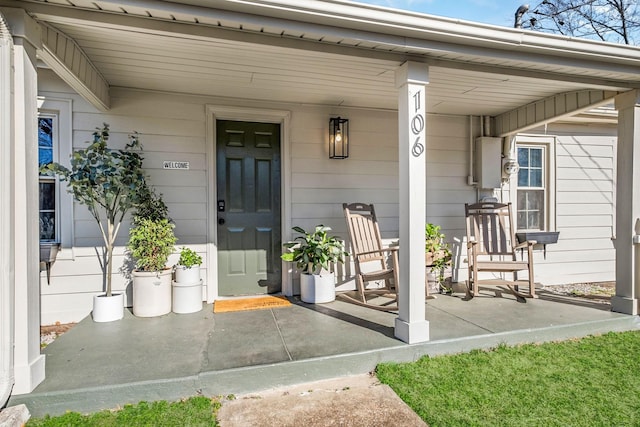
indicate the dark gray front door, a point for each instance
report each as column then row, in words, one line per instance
column 248, row 205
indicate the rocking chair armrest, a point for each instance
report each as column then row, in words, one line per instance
column 471, row 243
column 377, row 251
column 525, row 244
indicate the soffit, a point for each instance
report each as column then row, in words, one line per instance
column 131, row 57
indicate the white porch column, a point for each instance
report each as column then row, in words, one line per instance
column 628, row 205
column 6, row 214
column 28, row 362
column 411, row 78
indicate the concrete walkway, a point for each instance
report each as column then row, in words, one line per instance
column 106, row 365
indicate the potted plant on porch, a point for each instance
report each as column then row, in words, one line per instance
column 187, row 287
column 312, row 253
column 151, row 241
column 107, row 181
column 437, row 257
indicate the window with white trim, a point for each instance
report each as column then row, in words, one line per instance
column 55, row 137
column 531, row 188
column 48, row 153
column 534, row 186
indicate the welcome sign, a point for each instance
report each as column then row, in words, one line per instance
column 170, row 164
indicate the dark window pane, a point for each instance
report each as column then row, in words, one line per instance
column 533, row 220
column 535, row 177
column 45, row 156
column 45, row 141
column 522, row 220
column 523, row 177
column 535, row 157
column 47, row 226
column 47, row 196
column 523, row 157
column 522, row 200
column 45, row 132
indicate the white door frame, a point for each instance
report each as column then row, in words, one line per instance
column 223, row 112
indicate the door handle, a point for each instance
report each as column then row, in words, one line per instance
column 221, row 221
column 221, row 206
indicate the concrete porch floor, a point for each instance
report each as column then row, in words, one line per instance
column 105, row 365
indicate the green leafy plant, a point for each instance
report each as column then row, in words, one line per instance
column 151, row 238
column 151, row 242
column 189, row 258
column 108, row 182
column 440, row 251
column 313, row 252
column 434, row 238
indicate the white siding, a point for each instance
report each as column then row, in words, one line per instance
column 585, row 210
column 173, row 127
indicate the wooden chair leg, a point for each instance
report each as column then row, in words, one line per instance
column 360, row 284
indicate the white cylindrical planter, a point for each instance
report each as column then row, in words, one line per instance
column 187, row 297
column 317, row 288
column 151, row 293
column 108, row 309
column 187, row 274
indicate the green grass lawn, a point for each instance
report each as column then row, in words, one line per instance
column 196, row 411
column 593, row 381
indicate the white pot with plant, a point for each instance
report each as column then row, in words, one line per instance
column 151, row 241
column 187, row 288
column 188, row 266
column 313, row 253
column 107, row 182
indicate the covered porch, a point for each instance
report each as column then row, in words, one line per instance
column 99, row 366
column 412, row 85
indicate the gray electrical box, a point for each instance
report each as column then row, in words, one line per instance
column 489, row 162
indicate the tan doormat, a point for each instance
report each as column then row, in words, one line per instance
column 245, row 304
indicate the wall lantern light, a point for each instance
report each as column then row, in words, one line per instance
column 338, row 138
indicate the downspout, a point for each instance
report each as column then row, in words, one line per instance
column 7, row 282
column 470, row 180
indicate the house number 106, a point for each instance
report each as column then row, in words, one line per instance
column 417, row 126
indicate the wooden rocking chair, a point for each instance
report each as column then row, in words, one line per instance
column 370, row 258
column 491, row 247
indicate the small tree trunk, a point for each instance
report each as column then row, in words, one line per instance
column 109, row 248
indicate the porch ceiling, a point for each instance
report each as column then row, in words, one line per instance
column 134, row 47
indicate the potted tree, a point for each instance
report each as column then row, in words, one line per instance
column 187, row 288
column 107, row 181
column 151, row 241
column 437, row 257
column 312, row 253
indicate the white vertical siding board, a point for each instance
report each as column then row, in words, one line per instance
column 584, row 98
column 571, row 102
column 549, row 108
